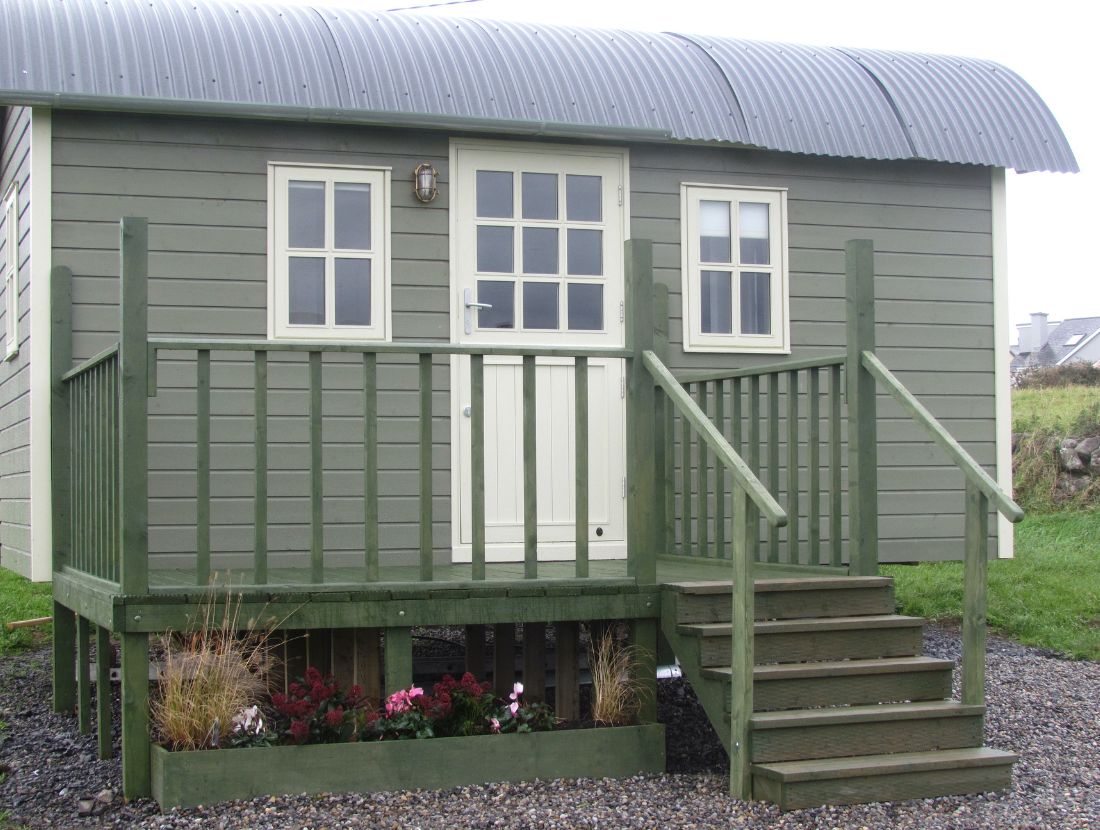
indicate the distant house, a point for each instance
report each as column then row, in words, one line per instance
column 1053, row 343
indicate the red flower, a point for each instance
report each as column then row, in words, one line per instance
column 299, row 730
column 334, row 717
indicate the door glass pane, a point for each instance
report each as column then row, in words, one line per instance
column 755, row 244
column 540, row 195
column 307, row 291
column 584, row 198
column 540, row 250
column 756, row 303
column 585, row 255
column 352, row 295
column 585, row 306
column 494, row 194
column 714, row 231
column 494, row 249
column 500, row 294
column 351, row 223
column 540, row 305
column 716, row 302
column 306, row 214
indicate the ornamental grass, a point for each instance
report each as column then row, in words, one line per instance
column 616, row 691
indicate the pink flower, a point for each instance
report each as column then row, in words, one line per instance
column 415, row 691
column 494, row 724
column 514, row 708
column 517, row 690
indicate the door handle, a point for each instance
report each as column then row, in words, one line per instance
column 471, row 308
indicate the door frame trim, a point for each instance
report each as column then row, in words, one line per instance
column 454, row 305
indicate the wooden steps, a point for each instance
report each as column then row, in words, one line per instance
column 847, row 709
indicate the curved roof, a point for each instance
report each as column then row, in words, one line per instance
column 212, row 56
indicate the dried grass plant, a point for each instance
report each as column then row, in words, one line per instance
column 210, row 674
column 616, row 691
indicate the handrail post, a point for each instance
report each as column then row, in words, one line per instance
column 742, row 656
column 862, row 417
column 641, row 472
column 974, row 593
column 61, row 358
column 134, row 487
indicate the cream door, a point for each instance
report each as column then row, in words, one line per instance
column 537, row 239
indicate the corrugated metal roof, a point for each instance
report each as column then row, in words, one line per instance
column 356, row 66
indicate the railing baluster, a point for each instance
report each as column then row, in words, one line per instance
column 116, row 480
column 530, row 473
column 704, row 482
column 720, row 475
column 93, row 468
column 669, row 438
column 686, row 484
column 86, row 474
column 813, row 468
column 773, row 458
column 316, row 471
column 836, row 541
column 754, row 457
column 202, row 484
column 735, row 414
column 370, row 467
column 580, row 417
column 477, row 466
column 427, row 564
column 793, row 553
column 259, row 558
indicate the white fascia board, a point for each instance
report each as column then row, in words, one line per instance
column 41, row 219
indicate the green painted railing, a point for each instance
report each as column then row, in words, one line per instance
column 791, row 415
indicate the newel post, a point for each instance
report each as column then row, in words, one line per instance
column 862, row 417
column 641, row 464
column 134, row 487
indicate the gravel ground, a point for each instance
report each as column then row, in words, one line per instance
column 1044, row 708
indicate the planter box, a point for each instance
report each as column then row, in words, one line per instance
column 186, row 779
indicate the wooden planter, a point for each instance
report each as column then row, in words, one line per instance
column 186, row 779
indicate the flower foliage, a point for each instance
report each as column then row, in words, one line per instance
column 316, row 711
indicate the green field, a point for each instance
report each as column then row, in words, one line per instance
column 1060, row 409
column 1048, row 596
column 22, row 600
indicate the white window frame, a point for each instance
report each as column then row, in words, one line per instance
column 279, row 250
column 11, row 272
column 695, row 339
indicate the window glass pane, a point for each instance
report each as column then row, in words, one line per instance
column 585, row 256
column 540, row 195
column 306, row 214
column 756, row 303
column 755, row 244
column 494, row 249
column 351, row 223
column 585, row 306
column 494, row 194
column 352, row 295
column 540, row 305
column 307, row 291
column 714, row 231
column 540, row 250
column 500, row 294
column 584, row 198
column 716, row 302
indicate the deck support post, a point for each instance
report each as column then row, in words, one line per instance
column 135, row 715
column 64, row 658
column 641, row 471
column 103, row 690
column 475, row 650
column 567, row 704
column 504, row 658
column 397, row 659
column 862, row 426
column 534, row 662
column 83, row 681
column 643, row 636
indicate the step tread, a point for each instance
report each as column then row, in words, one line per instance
column 863, row 714
column 807, row 624
column 837, row 668
column 825, row 583
column 821, row 769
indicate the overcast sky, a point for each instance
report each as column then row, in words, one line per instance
column 1052, row 216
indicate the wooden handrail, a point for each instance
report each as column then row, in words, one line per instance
column 756, row 491
column 90, row 363
column 397, row 347
column 963, row 460
column 767, row 369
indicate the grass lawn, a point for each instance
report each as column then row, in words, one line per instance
column 21, row 599
column 1059, row 409
column 1048, row 596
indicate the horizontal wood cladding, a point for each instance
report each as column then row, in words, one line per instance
column 203, row 185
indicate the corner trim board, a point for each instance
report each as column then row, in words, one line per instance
column 1001, row 355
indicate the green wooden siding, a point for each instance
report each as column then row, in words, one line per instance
column 15, row 480
column 203, row 186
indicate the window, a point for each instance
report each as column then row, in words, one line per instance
column 540, row 234
column 734, row 251
column 1075, row 339
column 11, row 273
column 329, row 258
